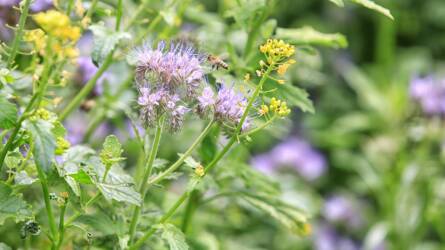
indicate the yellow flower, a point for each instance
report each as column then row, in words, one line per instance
column 279, row 107
column 283, row 110
column 62, row 145
column 263, row 110
column 43, row 114
column 307, row 229
column 277, row 49
column 58, row 25
column 38, row 37
column 274, row 104
column 200, row 171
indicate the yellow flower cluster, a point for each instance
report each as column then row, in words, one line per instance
column 43, row 114
column 62, row 145
column 277, row 106
column 36, row 36
column 58, row 25
column 277, row 49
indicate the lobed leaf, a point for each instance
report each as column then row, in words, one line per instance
column 12, row 205
column 44, row 142
column 8, row 113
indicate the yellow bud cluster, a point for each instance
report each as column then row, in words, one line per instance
column 62, row 145
column 58, row 25
column 200, row 171
column 277, row 49
column 43, row 114
column 279, row 107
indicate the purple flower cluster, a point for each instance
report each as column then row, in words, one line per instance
column 227, row 106
column 430, row 93
column 295, row 153
column 341, row 209
column 168, row 81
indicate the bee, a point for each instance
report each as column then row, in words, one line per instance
column 216, row 62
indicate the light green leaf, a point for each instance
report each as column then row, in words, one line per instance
column 3, row 246
column 190, row 161
column 294, row 96
column 12, row 206
column 22, row 178
column 13, row 159
column 309, row 36
column 373, row 6
column 44, row 143
column 174, row 237
column 8, row 113
column 105, row 40
column 268, row 27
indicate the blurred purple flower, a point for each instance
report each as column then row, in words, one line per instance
column 76, row 126
column 298, row 154
column 41, row 5
column 86, row 70
column 8, row 3
column 264, row 163
column 340, row 209
column 326, row 238
column 430, row 93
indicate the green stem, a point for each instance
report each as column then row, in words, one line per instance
column 190, row 209
column 118, row 15
column 19, row 33
column 211, row 165
column 143, row 186
column 87, row 88
column 254, row 31
column 77, row 214
column 253, row 131
column 184, row 156
column 163, row 219
column 61, row 224
column 49, row 210
column 135, row 16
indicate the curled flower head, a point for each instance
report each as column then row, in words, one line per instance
column 173, row 68
column 227, row 106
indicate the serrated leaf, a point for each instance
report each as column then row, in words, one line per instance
column 373, row 6
column 112, row 150
column 8, row 113
column 44, row 143
column 12, row 206
column 294, row 96
column 105, row 40
column 174, row 237
column 309, row 36
column 338, row 2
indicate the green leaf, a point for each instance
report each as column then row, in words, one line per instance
column 190, row 161
column 309, row 36
column 13, row 159
column 8, row 113
column 105, row 40
column 58, row 130
column 373, row 6
column 294, row 96
column 3, row 246
column 174, row 237
column 44, row 142
column 12, row 205
column 292, row 218
column 22, row 178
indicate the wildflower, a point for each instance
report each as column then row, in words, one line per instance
column 295, row 153
column 430, row 93
column 264, row 109
column 168, row 81
column 282, row 68
column 173, row 68
column 58, row 25
column 277, row 49
column 38, row 37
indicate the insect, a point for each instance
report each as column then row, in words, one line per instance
column 216, row 62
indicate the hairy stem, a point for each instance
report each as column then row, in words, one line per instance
column 143, row 186
column 19, row 33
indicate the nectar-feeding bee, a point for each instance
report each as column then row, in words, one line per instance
column 217, row 62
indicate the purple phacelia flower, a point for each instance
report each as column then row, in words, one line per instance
column 298, row 154
column 179, row 67
column 430, row 93
column 227, row 106
column 41, row 5
column 340, row 209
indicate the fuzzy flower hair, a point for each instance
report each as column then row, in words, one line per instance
column 179, row 67
column 168, row 80
column 227, row 106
